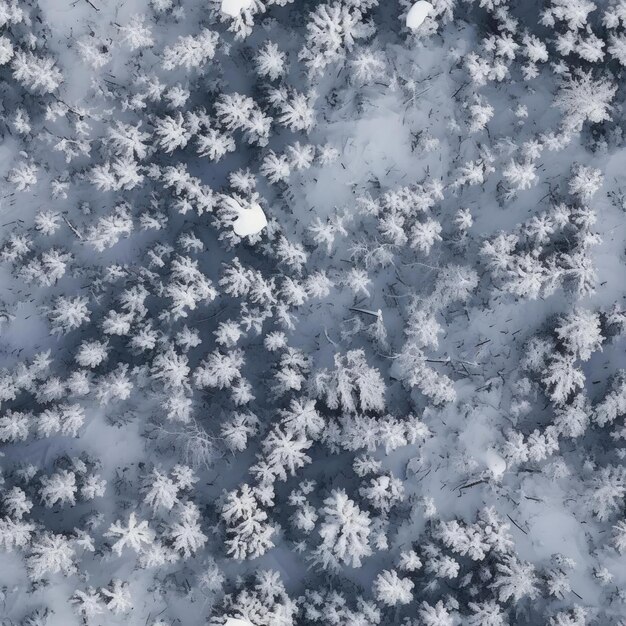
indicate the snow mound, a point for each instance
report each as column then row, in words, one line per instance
column 235, row 7
column 233, row 621
column 418, row 13
column 495, row 463
column 250, row 220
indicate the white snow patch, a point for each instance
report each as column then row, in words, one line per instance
column 232, row 621
column 495, row 463
column 235, row 7
column 418, row 13
column 250, row 220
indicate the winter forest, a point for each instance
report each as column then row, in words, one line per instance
column 312, row 313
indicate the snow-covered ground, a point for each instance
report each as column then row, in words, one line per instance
column 312, row 313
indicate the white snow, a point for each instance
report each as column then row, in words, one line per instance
column 418, row 13
column 250, row 221
column 495, row 463
column 468, row 460
column 235, row 7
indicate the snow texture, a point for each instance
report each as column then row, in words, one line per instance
column 250, row 220
column 312, row 313
column 235, row 7
column 418, row 13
